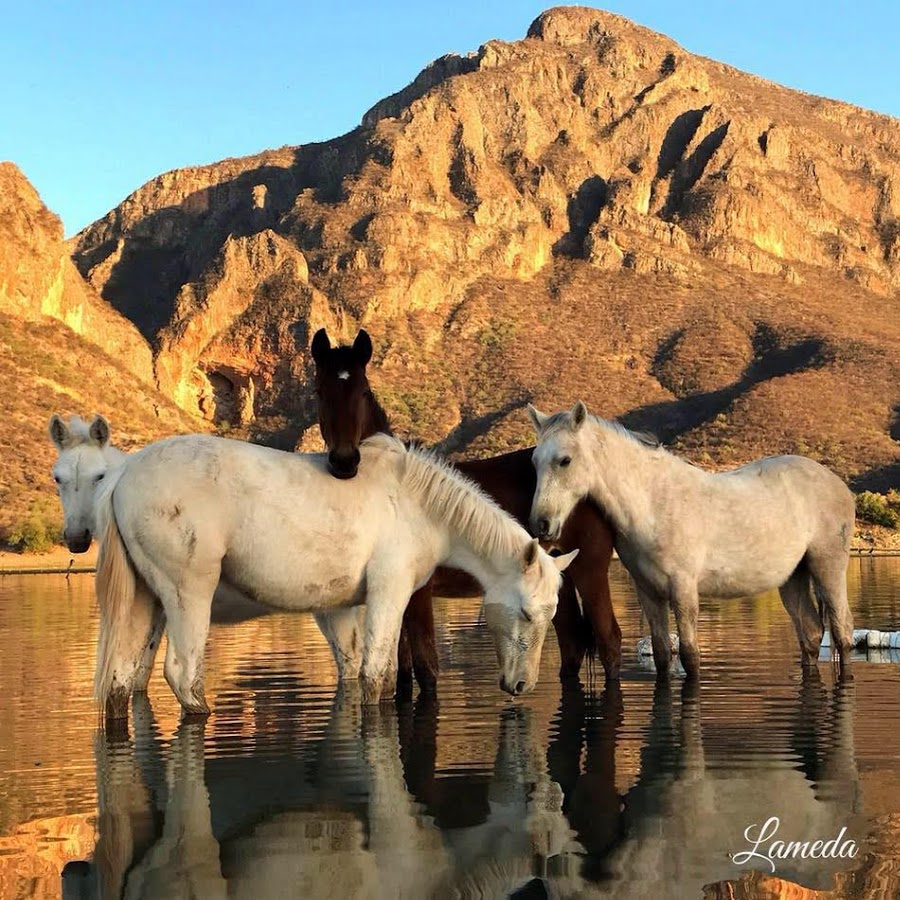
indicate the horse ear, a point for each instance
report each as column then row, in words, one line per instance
column 538, row 419
column 59, row 432
column 579, row 414
column 565, row 560
column 530, row 554
column 362, row 347
column 320, row 346
column 99, row 431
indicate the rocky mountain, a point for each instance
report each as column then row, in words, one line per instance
column 588, row 212
column 63, row 349
column 38, row 278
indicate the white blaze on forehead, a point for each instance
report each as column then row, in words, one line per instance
column 343, row 375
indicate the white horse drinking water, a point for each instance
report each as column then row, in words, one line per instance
column 783, row 521
column 187, row 514
column 85, row 458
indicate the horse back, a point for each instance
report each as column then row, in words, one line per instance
column 802, row 481
column 769, row 515
column 283, row 530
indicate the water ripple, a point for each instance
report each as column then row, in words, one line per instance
column 290, row 789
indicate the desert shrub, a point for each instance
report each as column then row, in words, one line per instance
column 38, row 530
column 879, row 509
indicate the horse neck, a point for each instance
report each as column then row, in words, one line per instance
column 480, row 538
column 486, row 569
column 628, row 479
column 376, row 419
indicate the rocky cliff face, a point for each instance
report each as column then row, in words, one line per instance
column 590, row 211
column 64, row 350
column 38, row 278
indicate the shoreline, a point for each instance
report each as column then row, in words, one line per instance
column 60, row 561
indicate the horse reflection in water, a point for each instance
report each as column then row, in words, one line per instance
column 688, row 812
column 363, row 812
column 348, row 825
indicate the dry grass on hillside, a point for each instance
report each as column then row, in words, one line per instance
column 45, row 368
column 725, row 368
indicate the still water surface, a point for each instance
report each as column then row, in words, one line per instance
column 290, row 791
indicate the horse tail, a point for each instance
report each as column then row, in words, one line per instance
column 825, row 618
column 115, row 586
column 590, row 642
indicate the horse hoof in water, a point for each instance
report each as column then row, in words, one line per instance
column 369, row 691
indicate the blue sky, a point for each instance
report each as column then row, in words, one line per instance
column 98, row 97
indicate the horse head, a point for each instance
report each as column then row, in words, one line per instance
column 518, row 610
column 347, row 408
column 561, row 461
column 84, row 458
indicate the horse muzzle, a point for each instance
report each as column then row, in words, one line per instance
column 544, row 529
column 80, row 542
column 343, row 465
column 513, row 688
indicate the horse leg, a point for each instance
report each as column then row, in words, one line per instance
column 418, row 621
column 829, row 578
column 590, row 572
column 385, row 601
column 569, row 624
column 342, row 628
column 187, row 611
column 686, row 605
column 657, row 612
column 404, row 661
column 128, row 659
column 795, row 596
column 145, row 669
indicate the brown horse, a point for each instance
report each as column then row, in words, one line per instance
column 349, row 413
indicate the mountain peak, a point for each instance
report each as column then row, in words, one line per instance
column 571, row 25
column 592, row 186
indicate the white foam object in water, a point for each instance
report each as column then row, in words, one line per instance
column 869, row 638
column 645, row 645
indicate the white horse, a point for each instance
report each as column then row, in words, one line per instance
column 779, row 522
column 185, row 512
column 85, row 456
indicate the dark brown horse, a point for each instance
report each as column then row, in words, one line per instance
column 349, row 412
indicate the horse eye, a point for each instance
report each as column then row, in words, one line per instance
column 565, row 461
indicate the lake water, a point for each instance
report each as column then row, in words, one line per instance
column 289, row 791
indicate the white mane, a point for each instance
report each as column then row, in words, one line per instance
column 560, row 420
column 448, row 495
column 644, row 438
